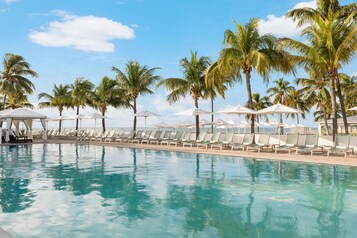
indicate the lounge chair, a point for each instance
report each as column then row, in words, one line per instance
column 263, row 142
column 114, row 136
column 137, row 134
column 290, row 143
column 185, row 137
column 88, row 136
column 177, row 136
column 310, row 145
column 144, row 136
column 200, row 139
column 227, row 140
column 214, row 139
column 105, row 135
column 125, row 137
column 342, row 145
column 97, row 136
column 153, row 136
column 246, row 141
column 165, row 135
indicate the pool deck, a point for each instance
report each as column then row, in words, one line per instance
column 350, row 160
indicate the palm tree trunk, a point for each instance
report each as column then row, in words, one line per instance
column 103, row 120
column 134, row 108
column 60, row 121
column 197, row 120
column 325, row 120
column 247, row 72
column 297, row 119
column 212, row 116
column 281, row 119
column 342, row 103
column 334, row 105
column 77, row 118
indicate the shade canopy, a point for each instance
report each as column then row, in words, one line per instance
column 80, row 116
column 60, row 118
column 95, row 116
column 21, row 114
column 146, row 114
column 183, row 124
column 278, row 109
column 238, row 110
column 194, row 112
column 163, row 125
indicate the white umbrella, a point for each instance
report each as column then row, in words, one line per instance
column 278, row 109
column 146, row 114
column 183, row 124
column 194, row 112
column 60, row 118
column 80, row 117
column 239, row 110
column 163, row 125
column 353, row 109
column 95, row 116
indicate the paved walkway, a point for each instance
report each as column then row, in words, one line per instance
column 351, row 160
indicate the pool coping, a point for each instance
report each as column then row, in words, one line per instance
column 350, row 160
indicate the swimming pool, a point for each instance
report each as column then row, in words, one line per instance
column 69, row 190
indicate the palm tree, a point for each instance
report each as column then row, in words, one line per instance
column 260, row 103
column 13, row 78
column 246, row 50
column 106, row 94
column 295, row 99
column 332, row 43
column 60, row 98
column 17, row 100
column 316, row 92
column 280, row 94
column 81, row 91
column 349, row 90
column 280, row 91
column 136, row 80
column 192, row 83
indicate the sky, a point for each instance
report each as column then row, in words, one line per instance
column 64, row 40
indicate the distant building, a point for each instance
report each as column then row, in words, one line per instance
column 352, row 125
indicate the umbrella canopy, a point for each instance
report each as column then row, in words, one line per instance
column 146, row 114
column 204, row 122
column 353, row 109
column 163, row 125
column 80, row 116
column 61, row 118
column 238, row 110
column 194, row 112
column 95, row 116
column 278, row 109
column 183, row 124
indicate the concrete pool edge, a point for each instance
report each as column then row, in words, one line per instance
column 350, row 160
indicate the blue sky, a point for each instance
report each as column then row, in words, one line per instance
column 67, row 39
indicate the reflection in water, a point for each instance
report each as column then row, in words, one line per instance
column 176, row 194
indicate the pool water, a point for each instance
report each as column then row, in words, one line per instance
column 93, row 191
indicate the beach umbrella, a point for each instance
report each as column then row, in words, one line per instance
column 184, row 124
column 194, row 112
column 60, row 119
column 96, row 116
column 79, row 117
column 238, row 110
column 163, row 125
column 146, row 114
column 278, row 109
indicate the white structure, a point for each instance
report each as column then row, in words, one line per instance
column 14, row 117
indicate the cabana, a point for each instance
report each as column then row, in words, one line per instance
column 14, row 117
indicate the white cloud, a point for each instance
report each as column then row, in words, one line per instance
column 87, row 33
column 282, row 26
column 10, row 1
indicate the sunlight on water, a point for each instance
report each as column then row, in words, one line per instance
column 93, row 191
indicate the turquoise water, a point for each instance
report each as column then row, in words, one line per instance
column 93, row 191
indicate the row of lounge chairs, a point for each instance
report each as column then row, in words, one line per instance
column 217, row 140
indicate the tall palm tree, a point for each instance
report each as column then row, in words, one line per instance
column 246, row 50
column 332, row 43
column 81, row 91
column 316, row 92
column 280, row 91
column 136, row 80
column 60, row 98
column 13, row 77
column 192, row 83
column 17, row 100
column 260, row 103
column 280, row 94
column 349, row 90
column 295, row 99
column 106, row 94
